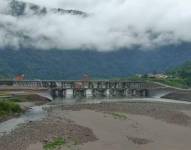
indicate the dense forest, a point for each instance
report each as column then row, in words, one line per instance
column 72, row 64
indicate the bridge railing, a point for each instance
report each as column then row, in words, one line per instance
column 101, row 84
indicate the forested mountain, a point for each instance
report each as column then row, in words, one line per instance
column 72, row 64
column 19, row 8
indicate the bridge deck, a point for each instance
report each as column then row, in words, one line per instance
column 102, row 88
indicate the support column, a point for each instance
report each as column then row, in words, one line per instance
column 79, row 93
column 99, row 93
column 112, row 92
column 108, row 93
column 60, row 93
column 145, row 93
column 69, row 93
column 53, row 93
column 127, row 93
column 133, row 92
column 89, row 93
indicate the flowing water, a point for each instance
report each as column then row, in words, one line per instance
column 34, row 114
column 38, row 112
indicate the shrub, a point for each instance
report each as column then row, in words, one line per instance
column 7, row 108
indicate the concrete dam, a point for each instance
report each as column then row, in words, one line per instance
column 86, row 89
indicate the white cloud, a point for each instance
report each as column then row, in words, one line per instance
column 112, row 24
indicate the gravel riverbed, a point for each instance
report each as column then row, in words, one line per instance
column 58, row 125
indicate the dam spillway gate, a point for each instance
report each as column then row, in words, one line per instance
column 88, row 89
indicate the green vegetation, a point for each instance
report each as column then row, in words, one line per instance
column 4, row 94
column 8, row 108
column 53, row 64
column 179, row 77
column 176, row 82
column 15, row 98
column 119, row 115
column 56, row 144
column 9, row 104
column 171, row 81
column 183, row 72
column 21, row 98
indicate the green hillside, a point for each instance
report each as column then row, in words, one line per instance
column 182, row 73
column 179, row 77
column 73, row 64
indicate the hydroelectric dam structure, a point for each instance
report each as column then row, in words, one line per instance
column 85, row 89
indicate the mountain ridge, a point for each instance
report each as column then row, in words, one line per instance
column 73, row 64
column 20, row 8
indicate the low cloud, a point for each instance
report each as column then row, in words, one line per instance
column 111, row 24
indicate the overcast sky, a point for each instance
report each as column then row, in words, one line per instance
column 112, row 24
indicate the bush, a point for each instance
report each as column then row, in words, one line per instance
column 7, row 108
column 56, row 144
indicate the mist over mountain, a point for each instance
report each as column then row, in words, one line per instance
column 26, row 24
column 104, row 25
column 59, row 39
column 19, row 8
column 67, row 64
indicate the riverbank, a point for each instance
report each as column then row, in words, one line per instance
column 108, row 126
column 14, row 105
column 44, row 132
column 179, row 95
column 168, row 112
column 9, row 109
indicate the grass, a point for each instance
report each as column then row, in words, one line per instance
column 119, row 115
column 3, row 94
column 9, row 108
column 21, row 98
column 176, row 82
column 54, row 145
column 171, row 81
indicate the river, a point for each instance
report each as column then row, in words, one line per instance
column 39, row 112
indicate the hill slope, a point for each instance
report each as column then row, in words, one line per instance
column 72, row 64
column 19, row 8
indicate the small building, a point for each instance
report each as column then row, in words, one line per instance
column 20, row 77
column 157, row 76
column 161, row 76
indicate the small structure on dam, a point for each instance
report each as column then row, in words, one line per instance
column 87, row 89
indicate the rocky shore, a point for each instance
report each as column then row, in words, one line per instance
column 25, row 102
column 89, row 124
column 44, row 131
column 168, row 112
